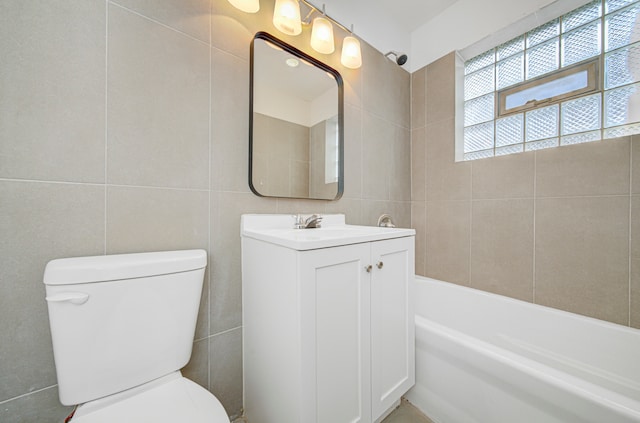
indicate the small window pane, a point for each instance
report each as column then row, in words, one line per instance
column 613, row 5
column 510, row 149
column 510, row 48
column 553, row 87
column 479, row 83
column 540, row 145
column 542, row 123
column 510, row 71
column 622, row 106
column 479, row 62
column 622, row 66
column 622, row 131
column 478, row 137
column 581, row 44
column 619, row 28
column 543, row 33
column 581, row 16
column 581, row 115
column 542, row 59
column 479, row 110
column 510, row 130
column 581, row 138
column 478, row 155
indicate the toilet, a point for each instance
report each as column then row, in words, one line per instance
column 122, row 327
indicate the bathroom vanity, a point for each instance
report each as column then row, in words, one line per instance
column 328, row 321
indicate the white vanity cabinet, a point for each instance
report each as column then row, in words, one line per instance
column 328, row 330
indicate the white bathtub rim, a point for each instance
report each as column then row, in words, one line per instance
column 529, row 305
column 608, row 399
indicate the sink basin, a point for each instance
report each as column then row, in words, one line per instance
column 277, row 229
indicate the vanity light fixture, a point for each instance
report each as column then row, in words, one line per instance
column 249, row 6
column 322, row 36
column 286, row 17
column 351, row 54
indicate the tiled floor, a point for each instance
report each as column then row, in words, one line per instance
column 406, row 413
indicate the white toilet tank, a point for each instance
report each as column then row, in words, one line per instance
column 120, row 321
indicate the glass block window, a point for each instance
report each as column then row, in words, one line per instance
column 574, row 79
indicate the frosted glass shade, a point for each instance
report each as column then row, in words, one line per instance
column 322, row 36
column 286, row 17
column 249, row 6
column 351, row 55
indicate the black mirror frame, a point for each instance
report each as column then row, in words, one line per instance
column 298, row 53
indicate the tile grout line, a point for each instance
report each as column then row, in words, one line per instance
column 106, row 117
column 211, row 227
column 535, row 173
column 27, row 394
column 630, row 224
column 158, row 23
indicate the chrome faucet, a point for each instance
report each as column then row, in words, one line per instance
column 310, row 222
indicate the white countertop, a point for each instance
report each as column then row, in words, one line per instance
column 278, row 229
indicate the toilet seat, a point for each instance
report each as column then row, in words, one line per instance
column 170, row 399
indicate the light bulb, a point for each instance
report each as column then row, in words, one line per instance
column 351, row 55
column 322, row 36
column 286, row 17
column 249, row 6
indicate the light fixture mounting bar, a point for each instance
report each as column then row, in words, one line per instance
column 322, row 11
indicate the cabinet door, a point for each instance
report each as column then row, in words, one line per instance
column 335, row 341
column 392, row 322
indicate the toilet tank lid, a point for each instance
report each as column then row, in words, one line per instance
column 114, row 267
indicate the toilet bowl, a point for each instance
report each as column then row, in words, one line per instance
column 122, row 327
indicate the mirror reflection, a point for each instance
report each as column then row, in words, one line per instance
column 296, row 132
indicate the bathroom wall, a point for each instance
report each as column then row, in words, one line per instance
column 124, row 128
column 556, row 227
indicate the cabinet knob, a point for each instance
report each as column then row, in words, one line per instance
column 368, row 268
column 379, row 264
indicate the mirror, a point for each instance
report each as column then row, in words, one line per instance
column 296, row 123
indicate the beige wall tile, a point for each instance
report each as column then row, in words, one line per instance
column 158, row 102
column 232, row 30
column 635, row 261
column 418, row 98
column 386, row 88
column 509, row 176
column 225, row 358
column 582, row 256
column 351, row 208
column 376, row 154
column 448, row 237
column 38, row 222
column 224, row 260
column 502, row 247
column 400, row 176
column 595, row 168
column 441, row 89
column 42, row 407
column 295, row 206
column 229, row 122
column 419, row 223
column 52, row 103
column 635, row 162
column 197, row 369
column 192, row 17
column 156, row 219
column 419, row 164
column 446, row 179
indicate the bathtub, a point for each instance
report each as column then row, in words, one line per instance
column 486, row 358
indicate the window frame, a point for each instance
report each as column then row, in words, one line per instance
column 592, row 66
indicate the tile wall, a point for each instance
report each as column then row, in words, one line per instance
column 556, row 227
column 123, row 128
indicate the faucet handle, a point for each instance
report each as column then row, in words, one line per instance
column 298, row 221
